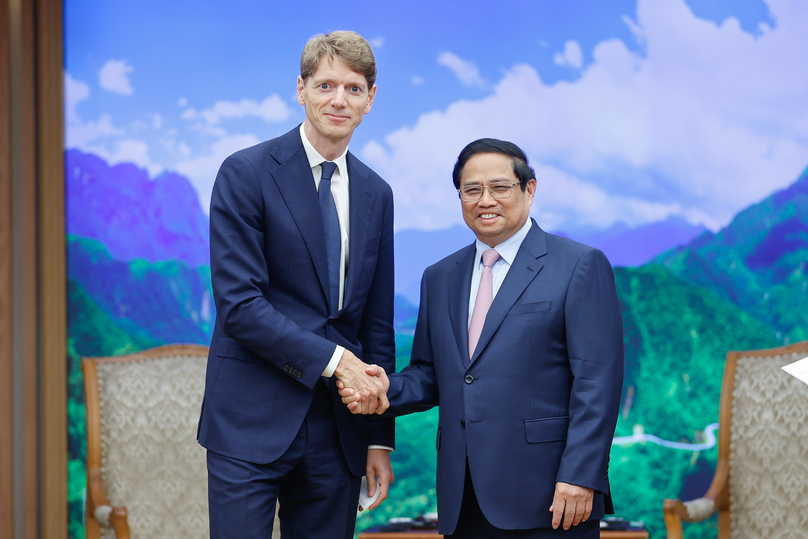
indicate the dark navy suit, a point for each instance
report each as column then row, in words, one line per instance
column 274, row 334
column 539, row 401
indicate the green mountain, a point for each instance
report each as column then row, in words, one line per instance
column 169, row 301
column 91, row 332
column 759, row 261
column 676, row 337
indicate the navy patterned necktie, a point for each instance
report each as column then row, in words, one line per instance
column 333, row 242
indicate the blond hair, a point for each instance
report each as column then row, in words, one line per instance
column 350, row 47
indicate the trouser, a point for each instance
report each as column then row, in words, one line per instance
column 317, row 493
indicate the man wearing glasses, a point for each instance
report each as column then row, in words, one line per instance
column 519, row 341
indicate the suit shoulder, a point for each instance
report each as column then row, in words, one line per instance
column 284, row 145
column 369, row 173
column 451, row 261
column 572, row 248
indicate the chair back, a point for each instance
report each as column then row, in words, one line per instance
column 148, row 407
column 768, row 445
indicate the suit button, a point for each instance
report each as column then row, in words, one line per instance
column 286, row 368
column 463, row 423
column 468, row 379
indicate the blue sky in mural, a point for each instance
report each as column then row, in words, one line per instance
column 630, row 110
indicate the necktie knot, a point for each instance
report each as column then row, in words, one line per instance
column 490, row 256
column 328, row 170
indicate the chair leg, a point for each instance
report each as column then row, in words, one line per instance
column 119, row 523
column 673, row 522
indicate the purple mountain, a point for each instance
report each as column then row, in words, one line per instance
column 133, row 216
column 630, row 247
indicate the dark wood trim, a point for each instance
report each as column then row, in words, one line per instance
column 29, row 390
column 33, row 392
column 52, row 270
column 6, row 319
column 156, row 352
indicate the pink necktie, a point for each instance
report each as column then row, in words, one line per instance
column 485, row 296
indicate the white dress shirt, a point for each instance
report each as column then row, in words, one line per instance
column 339, row 190
column 507, row 253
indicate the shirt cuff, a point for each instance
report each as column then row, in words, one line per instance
column 380, row 447
column 332, row 365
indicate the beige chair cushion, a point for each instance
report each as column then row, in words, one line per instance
column 768, row 451
column 151, row 461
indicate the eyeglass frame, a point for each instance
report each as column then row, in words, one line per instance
column 490, row 190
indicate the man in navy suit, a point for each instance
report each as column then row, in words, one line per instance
column 302, row 274
column 519, row 341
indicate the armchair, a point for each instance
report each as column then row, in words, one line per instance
column 146, row 474
column 760, row 487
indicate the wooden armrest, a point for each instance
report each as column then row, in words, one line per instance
column 98, row 513
column 119, row 523
column 717, row 497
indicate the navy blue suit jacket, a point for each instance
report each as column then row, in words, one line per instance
column 274, row 335
column 539, row 401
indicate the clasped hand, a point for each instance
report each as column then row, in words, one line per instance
column 363, row 387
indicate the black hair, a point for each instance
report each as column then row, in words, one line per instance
column 521, row 169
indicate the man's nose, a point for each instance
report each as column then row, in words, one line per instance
column 487, row 199
column 339, row 98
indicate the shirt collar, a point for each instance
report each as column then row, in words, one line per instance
column 315, row 158
column 507, row 249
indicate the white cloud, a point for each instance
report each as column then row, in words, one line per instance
column 572, row 55
column 467, row 72
column 710, row 120
column 377, row 42
column 156, row 120
column 201, row 170
column 134, row 151
column 75, row 92
column 78, row 133
column 114, row 77
column 271, row 109
column 417, row 81
column 183, row 102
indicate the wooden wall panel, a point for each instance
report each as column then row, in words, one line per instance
column 23, row 64
column 33, row 361
column 6, row 417
column 52, row 273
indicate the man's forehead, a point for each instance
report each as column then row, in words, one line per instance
column 328, row 64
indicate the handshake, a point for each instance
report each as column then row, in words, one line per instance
column 363, row 387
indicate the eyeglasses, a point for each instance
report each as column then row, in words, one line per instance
column 473, row 193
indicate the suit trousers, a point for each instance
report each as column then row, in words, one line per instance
column 317, row 493
column 472, row 523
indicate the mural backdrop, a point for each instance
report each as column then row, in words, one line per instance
column 672, row 134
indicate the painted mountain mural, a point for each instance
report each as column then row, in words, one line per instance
column 139, row 276
column 133, row 216
column 759, row 262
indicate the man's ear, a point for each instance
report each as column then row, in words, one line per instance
column 301, row 85
column 371, row 97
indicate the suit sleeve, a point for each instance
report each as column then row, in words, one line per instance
column 376, row 331
column 240, row 278
column 415, row 388
column 594, row 332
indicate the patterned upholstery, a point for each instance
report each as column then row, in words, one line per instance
column 151, row 462
column 760, row 487
column 768, row 478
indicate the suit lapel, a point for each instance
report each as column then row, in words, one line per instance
column 524, row 269
column 362, row 204
column 295, row 182
column 459, row 287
